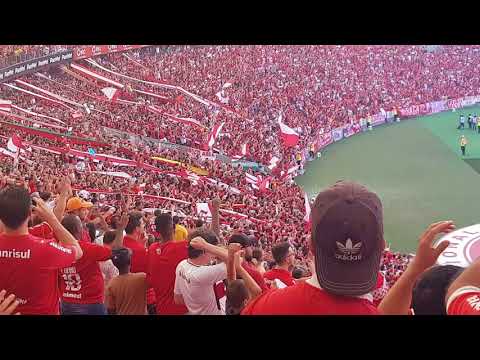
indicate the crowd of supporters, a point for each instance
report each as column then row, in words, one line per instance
column 13, row 54
column 257, row 234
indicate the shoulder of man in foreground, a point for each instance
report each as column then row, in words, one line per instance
column 306, row 299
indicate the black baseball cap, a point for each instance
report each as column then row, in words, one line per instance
column 347, row 238
column 241, row 239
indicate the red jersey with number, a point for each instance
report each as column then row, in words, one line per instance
column 163, row 259
column 139, row 255
column 464, row 301
column 306, row 299
column 280, row 274
column 29, row 268
column 82, row 282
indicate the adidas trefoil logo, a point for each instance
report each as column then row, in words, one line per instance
column 349, row 248
column 349, row 251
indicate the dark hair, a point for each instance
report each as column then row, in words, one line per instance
column 45, row 195
column 428, row 297
column 164, row 226
column 208, row 235
column 109, row 237
column 15, row 206
column 280, row 252
column 157, row 212
column 92, row 231
column 241, row 239
column 176, row 220
column 121, row 258
column 298, row 272
column 74, row 225
column 134, row 221
column 257, row 254
column 236, row 294
column 198, row 223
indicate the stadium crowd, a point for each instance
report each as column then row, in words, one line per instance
column 12, row 54
column 136, row 243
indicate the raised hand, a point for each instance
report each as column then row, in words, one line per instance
column 66, row 187
column 234, row 248
column 8, row 304
column 427, row 255
column 123, row 221
column 198, row 243
column 42, row 210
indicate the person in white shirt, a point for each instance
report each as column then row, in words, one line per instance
column 196, row 279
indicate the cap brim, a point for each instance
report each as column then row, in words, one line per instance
column 86, row 205
column 352, row 280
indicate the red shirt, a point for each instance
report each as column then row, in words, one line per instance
column 86, row 236
column 464, row 301
column 163, row 259
column 256, row 275
column 139, row 254
column 82, row 282
column 280, row 274
column 305, row 299
column 42, row 230
column 29, row 268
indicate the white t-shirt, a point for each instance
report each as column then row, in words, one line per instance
column 196, row 285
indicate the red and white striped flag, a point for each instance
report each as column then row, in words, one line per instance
column 308, row 210
column 214, row 135
column 5, row 105
column 253, row 180
column 111, row 93
column 291, row 170
column 265, row 184
column 273, row 162
column 141, row 188
column 243, row 153
column 77, row 114
column 15, row 144
column 288, row 135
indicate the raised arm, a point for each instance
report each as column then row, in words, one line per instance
column 62, row 234
column 65, row 194
column 200, row 244
column 231, row 273
column 399, row 298
column 216, row 216
column 468, row 280
column 118, row 241
column 253, row 289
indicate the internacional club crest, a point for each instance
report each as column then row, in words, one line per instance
column 464, row 246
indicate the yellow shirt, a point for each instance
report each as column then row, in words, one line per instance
column 181, row 233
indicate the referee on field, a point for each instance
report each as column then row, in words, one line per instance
column 463, row 144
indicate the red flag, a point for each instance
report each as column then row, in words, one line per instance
column 111, row 93
column 5, row 105
column 214, row 135
column 289, row 136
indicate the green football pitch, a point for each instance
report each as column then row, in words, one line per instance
column 417, row 169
